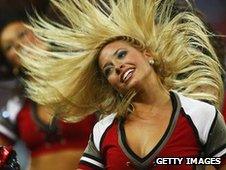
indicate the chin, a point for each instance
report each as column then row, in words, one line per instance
column 133, row 85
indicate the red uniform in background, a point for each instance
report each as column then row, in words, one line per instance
column 40, row 137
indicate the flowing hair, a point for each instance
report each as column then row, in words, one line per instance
column 68, row 77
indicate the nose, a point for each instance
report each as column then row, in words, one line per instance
column 119, row 68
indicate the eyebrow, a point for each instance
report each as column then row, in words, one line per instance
column 116, row 52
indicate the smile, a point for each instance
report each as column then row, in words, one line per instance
column 127, row 75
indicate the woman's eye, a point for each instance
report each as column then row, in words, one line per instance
column 107, row 71
column 122, row 54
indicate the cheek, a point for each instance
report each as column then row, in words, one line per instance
column 143, row 61
column 12, row 57
column 144, row 65
column 29, row 38
column 114, row 82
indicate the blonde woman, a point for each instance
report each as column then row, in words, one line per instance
column 147, row 69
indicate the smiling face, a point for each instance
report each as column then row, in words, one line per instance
column 124, row 66
column 12, row 36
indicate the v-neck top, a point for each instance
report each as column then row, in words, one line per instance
column 140, row 162
column 190, row 130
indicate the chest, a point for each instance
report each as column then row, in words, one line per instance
column 181, row 142
column 150, row 131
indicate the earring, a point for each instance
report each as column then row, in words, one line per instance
column 151, row 62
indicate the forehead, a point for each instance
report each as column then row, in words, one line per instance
column 10, row 31
column 114, row 46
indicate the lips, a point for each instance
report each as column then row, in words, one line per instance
column 127, row 75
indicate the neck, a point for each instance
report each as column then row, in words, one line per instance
column 151, row 92
column 152, row 99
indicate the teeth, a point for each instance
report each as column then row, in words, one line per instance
column 127, row 73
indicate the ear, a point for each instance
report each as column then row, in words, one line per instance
column 147, row 55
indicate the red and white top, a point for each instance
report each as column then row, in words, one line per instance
column 20, row 120
column 196, row 129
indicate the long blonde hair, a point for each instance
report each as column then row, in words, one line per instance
column 68, row 76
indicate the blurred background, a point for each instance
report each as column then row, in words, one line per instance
column 214, row 12
column 11, row 10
